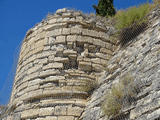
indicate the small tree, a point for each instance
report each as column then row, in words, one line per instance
column 105, row 8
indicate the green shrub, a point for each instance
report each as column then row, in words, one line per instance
column 132, row 21
column 105, row 8
column 121, row 94
column 133, row 15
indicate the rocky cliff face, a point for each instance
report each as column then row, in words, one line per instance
column 68, row 63
column 142, row 60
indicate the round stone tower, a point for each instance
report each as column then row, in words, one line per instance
column 58, row 64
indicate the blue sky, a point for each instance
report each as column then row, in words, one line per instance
column 17, row 16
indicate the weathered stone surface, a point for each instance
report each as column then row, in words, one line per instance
column 86, row 66
column 65, row 118
column 68, row 52
column 49, row 72
column 59, row 59
column 60, row 40
column 46, row 111
column 97, row 67
column 53, row 66
column 74, row 111
column 32, row 113
column 60, row 110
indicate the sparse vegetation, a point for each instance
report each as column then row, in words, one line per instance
column 130, row 22
column 120, row 95
column 134, row 15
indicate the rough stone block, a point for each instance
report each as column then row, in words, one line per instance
column 86, row 66
column 66, row 31
column 68, row 52
column 54, row 26
column 51, row 118
column 34, row 82
column 71, row 38
column 104, row 36
column 96, row 60
column 51, row 58
column 65, row 118
column 51, row 40
column 44, row 54
column 74, row 111
column 22, row 86
column 80, row 40
column 89, row 33
column 43, row 61
column 60, row 110
column 53, row 20
column 98, row 42
column 40, row 35
column 97, row 67
column 55, row 32
column 49, row 72
column 53, row 79
column 34, row 69
column 60, row 59
column 103, row 56
column 106, row 51
column 108, row 46
column 72, row 57
column 60, row 40
column 76, row 30
column 46, row 111
column 30, row 113
column 53, row 65
column 88, row 40
column 33, row 94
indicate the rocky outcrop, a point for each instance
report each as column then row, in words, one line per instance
column 141, row 58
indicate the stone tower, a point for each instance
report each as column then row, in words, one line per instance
column 59, row 61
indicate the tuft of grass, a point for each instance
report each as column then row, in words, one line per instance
column 121, row 94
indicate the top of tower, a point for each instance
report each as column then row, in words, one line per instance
column 66, row 17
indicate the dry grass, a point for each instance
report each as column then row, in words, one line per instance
column 120, row 94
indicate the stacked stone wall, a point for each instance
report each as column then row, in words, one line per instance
column 59, row 62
